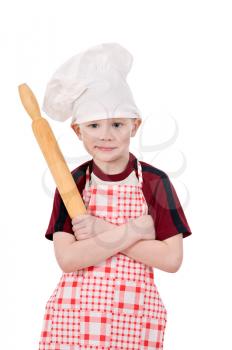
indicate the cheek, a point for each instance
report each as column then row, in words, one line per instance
column 88, row 136
column 89, row 142
column 123, row 137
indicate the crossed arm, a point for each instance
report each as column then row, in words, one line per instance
column 166, row 255
column 73, row 255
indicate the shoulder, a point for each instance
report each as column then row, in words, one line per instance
column 153, row 175
column 79, row 174
column 80, row 171
column 152, row 170
column 156, row 183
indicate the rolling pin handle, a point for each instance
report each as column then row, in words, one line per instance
column 29, row 101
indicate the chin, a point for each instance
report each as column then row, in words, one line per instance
column 101, row 155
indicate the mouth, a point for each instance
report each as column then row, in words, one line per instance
column 105, row 148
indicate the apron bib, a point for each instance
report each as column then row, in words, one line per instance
column 114, row 304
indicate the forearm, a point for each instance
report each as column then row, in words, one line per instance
column 89, row 252
column 153, row 253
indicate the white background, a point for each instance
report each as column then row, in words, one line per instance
column 181, row 72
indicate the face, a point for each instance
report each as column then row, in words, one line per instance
column 107, row 139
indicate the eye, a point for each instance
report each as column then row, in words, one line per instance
column 117, row 123
column 93, row 124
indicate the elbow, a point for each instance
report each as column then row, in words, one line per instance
column 69, row 267
column 63, row 265
column 176, row 264
column 66, row 268
column 64, row 252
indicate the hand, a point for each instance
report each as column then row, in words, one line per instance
column 144, row 227
column 86, row 226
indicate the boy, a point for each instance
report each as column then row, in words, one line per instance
column 134, row 219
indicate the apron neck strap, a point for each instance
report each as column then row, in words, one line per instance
column 137, row 168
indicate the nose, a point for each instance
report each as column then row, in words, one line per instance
column 105, row 132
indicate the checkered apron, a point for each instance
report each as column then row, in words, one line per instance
column 114, row 304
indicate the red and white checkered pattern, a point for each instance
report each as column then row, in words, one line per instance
column 97, row 294
column 114, row 304
column 128, row 297
column 126, row 331
column 68, row 294
column 153, row 304
column 152, row 333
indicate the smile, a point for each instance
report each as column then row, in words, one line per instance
column 105, row 148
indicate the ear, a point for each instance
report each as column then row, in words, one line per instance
column 76, row 129
column 136, row 124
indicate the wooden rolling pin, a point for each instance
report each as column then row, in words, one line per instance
column 44, row 135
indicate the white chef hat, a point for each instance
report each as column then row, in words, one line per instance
column 91, row 86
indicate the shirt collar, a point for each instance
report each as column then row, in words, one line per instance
column 131, row 165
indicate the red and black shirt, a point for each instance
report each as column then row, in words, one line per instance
column 162, row 200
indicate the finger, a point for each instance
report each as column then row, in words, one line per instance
column 80, row 218
column 83, row 236
column 76, row 236
column 82, row 231
column 79, row 226
column 74, row 220
column 83, row 217
column 78, row 229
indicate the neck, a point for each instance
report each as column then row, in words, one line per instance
column 115, row 166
